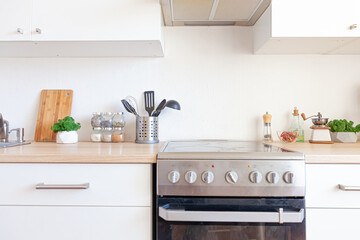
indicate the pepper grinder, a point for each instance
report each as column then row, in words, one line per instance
column 267, row 128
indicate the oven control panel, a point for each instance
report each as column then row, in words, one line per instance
column 231, row 178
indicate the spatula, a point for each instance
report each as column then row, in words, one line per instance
column 149, row 101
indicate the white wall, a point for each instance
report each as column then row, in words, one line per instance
column 223, row 88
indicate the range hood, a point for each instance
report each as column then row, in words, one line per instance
column 212, row 12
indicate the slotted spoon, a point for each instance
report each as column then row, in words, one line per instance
column 149, row 97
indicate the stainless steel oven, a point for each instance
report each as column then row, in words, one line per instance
column 226, row 190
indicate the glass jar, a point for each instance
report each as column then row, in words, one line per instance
column 118, row 120
column 96, row 119
column 106, row 120
column 106, row 134
column 96, row 134
column 118, row 135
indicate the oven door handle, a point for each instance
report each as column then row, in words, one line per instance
column 224, row 216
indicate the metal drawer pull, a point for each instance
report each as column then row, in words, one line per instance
column 219, row 216
column 62, row 186
column 349, row 188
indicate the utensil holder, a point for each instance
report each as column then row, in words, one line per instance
column 146, row 130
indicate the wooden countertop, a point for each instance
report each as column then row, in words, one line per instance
column 326, row 153
column 82, row 152
column 130, row 152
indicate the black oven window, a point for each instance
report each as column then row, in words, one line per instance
column 232, row 232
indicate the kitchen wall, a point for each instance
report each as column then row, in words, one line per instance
column 223, row 88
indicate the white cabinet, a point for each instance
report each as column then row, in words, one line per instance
column 322, row 185
column 332, row 224
column 307, row 27
column 332, row 213
column 315, row 18
column 81, row 28
column 15, row 20
column 74, row 223
column 116, row 205
column 106, row 20
column 116, row 185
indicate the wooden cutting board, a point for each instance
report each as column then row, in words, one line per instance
column 54, row 105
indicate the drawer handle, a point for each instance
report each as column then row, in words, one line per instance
column 349, row 188
column 62, row 186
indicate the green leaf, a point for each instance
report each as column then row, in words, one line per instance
column 67, row 124
column 343, row 126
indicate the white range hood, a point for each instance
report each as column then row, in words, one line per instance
column 212, row 12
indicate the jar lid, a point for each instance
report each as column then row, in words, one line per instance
column 108, row 113
column 97, row 128
column 120, row 113
column 118, row 128
column 96, row 113
column 108, row 128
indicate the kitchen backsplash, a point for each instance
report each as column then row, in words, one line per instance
column 223, row 88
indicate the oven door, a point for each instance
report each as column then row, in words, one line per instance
column 230, row 218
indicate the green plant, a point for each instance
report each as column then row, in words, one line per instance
column 67, row 124
column 343, row 126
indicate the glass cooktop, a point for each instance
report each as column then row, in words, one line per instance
column 220, row 146
column 225, row 149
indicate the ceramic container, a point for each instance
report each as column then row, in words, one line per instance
column 67, row 137
column 343, row 137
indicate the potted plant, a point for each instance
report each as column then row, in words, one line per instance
column 343, row 131
column 66, row 130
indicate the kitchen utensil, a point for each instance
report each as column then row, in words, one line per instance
column 128, row 107
column 149, row 101
column 159, row 108
column 146, row 130
column 54, row 105
column 132, row 102
column 267, row 128
column 125, row 103
column 317, row 120
column 173, row 104
column 320, row 131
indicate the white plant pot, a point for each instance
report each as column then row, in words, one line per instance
column 343, row 137
column 67, row 137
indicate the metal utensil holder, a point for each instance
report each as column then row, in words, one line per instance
column 146, row 130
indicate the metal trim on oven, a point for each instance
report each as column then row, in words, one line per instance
column 236, row 216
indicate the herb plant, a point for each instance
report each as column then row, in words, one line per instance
column 343, row 126
column 67, row 124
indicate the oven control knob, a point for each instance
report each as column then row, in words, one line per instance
column 190, row 176
column 207, row 177
column 255, row 177
column 288, row 177
column 272, row 177
column 231, row 177
column 174, row 176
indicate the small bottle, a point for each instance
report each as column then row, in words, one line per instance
column 118, row 135
column 118, row 120
column 107, row 120
column 96, row 134
column 106, row 134
column 96, row 120
column 267, row 127
column 296, row 126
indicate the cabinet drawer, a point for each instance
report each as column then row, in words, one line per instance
column 322, row 185
column 332, row 224
column 109, row 184
column 74, row 223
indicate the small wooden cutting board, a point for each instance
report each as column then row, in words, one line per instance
column 54, row 105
